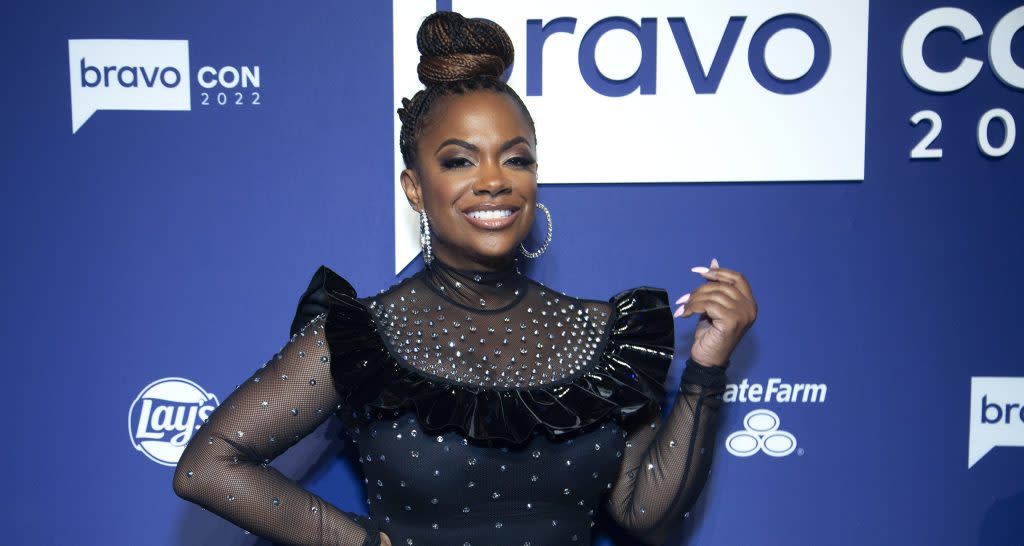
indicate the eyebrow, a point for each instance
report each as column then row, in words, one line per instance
column 459, row 142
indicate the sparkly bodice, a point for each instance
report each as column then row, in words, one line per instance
column 541, row 337
column 443, row 489
column 505, row 413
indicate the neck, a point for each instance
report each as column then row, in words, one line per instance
column 476, row 287
column 476, row 264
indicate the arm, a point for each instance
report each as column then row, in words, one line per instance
column 226, row 466
column 666, row 463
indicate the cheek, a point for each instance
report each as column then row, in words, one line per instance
column 443, row 190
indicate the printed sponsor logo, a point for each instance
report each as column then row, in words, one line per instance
column 997, row 415
column 127, row 75
column 995, row 130
column 762, row 432
column 702, row 91
column 165, row 415
column 113, row 74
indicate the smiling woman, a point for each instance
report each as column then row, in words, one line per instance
column 488, row 408
column 469, row 145
column 475, row 179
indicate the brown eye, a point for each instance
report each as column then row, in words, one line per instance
column 455, row 163
column 520, row 161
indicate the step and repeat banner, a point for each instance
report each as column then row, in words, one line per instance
column 174, row 173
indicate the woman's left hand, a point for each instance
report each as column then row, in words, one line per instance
column 727, row 309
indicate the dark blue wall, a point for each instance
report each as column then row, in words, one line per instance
column 175, row 244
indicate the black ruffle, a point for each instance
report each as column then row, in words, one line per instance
column 627, row 382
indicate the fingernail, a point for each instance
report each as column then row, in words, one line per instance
column 680, row 311
column 714, row 262
column 699, row 269
column 684, row 298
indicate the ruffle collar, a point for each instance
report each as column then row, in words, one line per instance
column 626, row 382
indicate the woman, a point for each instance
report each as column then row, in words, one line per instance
column 488, row 408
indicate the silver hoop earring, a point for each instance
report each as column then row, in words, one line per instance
column 425, row 239
column 547, row 241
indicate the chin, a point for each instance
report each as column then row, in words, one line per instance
column 495, row 252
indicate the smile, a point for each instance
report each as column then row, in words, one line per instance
column 493, row 218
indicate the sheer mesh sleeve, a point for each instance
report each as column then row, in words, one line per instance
column 666, row 462
column 226, row 466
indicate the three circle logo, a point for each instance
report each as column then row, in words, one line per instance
column 165, row 415
column 761, row 433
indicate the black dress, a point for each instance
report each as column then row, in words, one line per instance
column 488, row 409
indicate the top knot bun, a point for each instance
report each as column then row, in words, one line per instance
column 454, row 48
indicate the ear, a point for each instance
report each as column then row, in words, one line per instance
column 411, row 187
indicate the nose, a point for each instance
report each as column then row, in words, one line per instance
column 491, row 180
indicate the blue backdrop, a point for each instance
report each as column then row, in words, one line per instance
column 156, row 244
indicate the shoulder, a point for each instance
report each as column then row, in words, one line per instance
column 643, row 306
column 326, row 285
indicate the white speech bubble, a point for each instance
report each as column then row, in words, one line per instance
column 127, row 75
column 997, row 415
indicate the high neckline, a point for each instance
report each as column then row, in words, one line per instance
column 476, row 289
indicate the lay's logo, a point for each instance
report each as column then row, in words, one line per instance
column 165, row 415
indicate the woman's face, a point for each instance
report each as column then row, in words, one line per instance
column 476, row 153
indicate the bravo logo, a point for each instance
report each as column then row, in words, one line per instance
column 728, row 91
column 762, row 432
column 127, row 75
column 148, row 75
column 165, row 415
column 997, row 415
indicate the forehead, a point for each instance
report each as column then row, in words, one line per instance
column 476, row 116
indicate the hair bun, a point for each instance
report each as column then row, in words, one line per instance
column 454, row 48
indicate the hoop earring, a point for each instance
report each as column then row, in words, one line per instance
column 425, row 239
column 547, row 241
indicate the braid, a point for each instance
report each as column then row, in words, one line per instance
column 457, row 56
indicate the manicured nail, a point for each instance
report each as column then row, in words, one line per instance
column 699, row 269
column 679, row 312
column 684, row 298
column 714, row 262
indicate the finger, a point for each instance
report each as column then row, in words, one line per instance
column 732, row 277
column 714, row 263
column 709, row 273
column 729, row 290
column 718, row 297
column 712, row 308
column 742, row 310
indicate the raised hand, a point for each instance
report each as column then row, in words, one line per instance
column 727, row 309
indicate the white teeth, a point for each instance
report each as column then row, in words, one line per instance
column 490, row 214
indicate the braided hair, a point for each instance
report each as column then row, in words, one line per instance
column 457, row 55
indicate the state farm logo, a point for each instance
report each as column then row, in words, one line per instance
column 760, row 433
column 762, row 430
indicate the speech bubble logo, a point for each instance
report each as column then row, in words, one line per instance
column 997, row 415
column 127, row 75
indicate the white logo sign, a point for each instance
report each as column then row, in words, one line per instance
column 761, row 433
column 165, row 415
column 775, row 390
column 997, row 415
column 127, row 75
column 671, row 90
